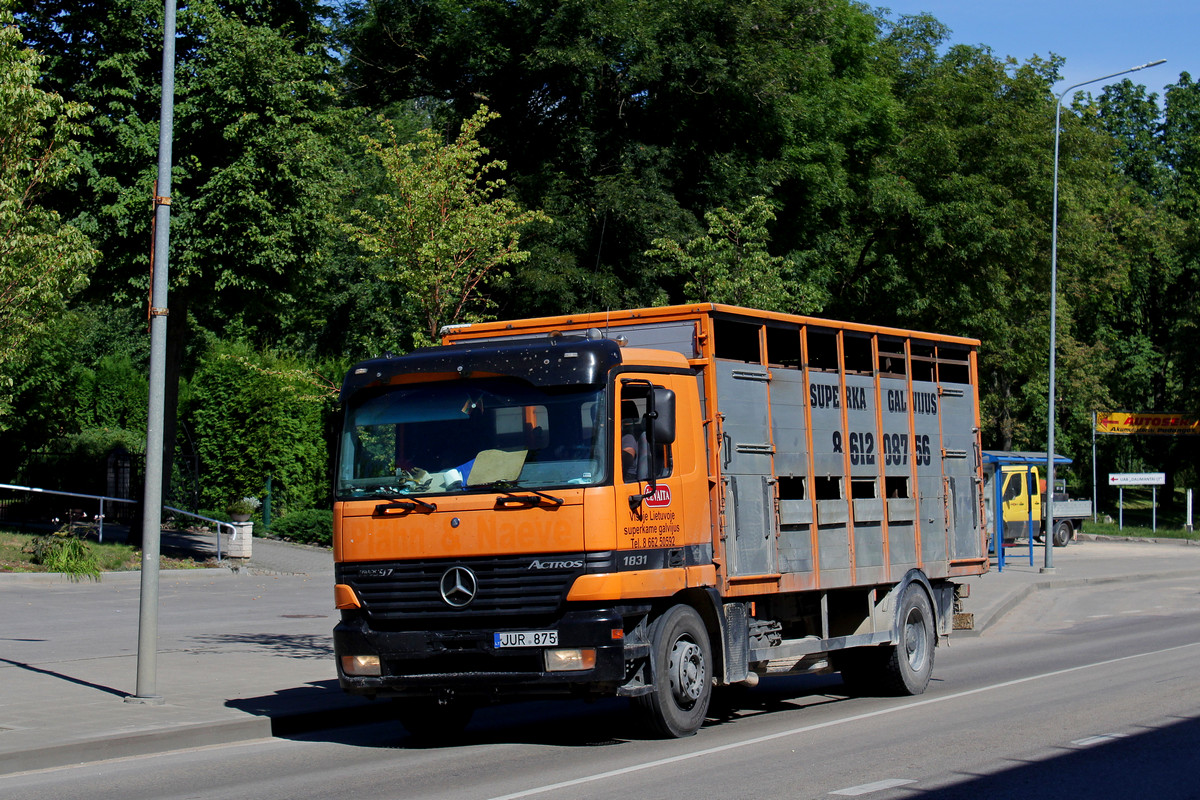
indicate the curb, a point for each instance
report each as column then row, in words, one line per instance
column 189, row 735
column 141, row 743
column 131, row 576
column 1104, row 537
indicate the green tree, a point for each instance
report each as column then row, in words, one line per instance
column 260, row 144
column 1152, row 331
column 1134, row 121
column 257, row 414
column 732, row 263
column 627, row 120
column 444, row 231
column 43, row 261
column 84, row 371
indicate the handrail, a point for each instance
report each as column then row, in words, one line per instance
column 99, row 497
column 233, row 531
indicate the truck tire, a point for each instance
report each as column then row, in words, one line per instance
column 1062, row 533
column 430, row 720
column 908, row 664
column 682, row 674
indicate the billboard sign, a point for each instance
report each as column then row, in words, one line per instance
column 1127, row 422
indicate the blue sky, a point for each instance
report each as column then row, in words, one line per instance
column 1096, row 37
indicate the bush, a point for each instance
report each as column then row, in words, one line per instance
column 314, row 526
column 61, row 552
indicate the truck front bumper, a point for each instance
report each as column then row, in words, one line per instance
column 416, row 663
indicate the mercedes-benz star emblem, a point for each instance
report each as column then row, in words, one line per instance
column 458, row 586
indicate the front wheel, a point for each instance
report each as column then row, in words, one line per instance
column 908, row 664
column 681, row 660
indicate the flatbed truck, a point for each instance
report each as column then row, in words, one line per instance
column 1012, row 481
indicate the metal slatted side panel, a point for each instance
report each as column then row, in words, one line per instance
column 958, row 421
column 742, row 391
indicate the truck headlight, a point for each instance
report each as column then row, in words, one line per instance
column 570, row 659
column 367, row 666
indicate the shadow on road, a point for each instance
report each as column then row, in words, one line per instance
column 304, row 646
column 1159, row 763
column 329, row 715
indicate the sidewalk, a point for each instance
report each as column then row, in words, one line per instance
column 246, row 655
column 241, row 655
column 1091, row 560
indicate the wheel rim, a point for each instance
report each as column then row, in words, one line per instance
column 915, row 637
column 687, row 672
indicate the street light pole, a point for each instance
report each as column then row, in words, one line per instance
column 1049, row 529
column 147, row 656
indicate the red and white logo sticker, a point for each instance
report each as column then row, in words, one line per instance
column 661, row 497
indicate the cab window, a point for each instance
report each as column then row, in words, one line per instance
column 634, row 455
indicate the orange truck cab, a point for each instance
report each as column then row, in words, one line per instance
column 648, row 502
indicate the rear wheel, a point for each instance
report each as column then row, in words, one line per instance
column 1062, row 533
column 682, row 674
column 908, row 664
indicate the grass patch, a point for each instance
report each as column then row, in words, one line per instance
column 22, row 552
column 1138, row 531
column 1147, row 514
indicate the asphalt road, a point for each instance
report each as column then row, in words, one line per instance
column 1088, row 692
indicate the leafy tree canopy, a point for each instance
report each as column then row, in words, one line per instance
column 42, row 260
column 442, row 233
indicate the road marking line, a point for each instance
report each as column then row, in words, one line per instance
column 1092, row 740
column 662, row 762
column 877, row 786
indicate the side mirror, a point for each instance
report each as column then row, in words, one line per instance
column 662, row 414
column 660, row 430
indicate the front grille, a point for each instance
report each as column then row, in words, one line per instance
column 528, row 585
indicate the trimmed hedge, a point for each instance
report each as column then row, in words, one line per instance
column 314, row 526
column 257, row 414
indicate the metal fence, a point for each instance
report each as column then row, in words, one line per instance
column 72, row 486
column 73, row 518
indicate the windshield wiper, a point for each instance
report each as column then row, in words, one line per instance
column 508, row 487
column 410, row 504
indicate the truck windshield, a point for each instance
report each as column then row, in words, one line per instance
column 470, row 436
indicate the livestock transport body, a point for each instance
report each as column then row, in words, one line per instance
column 649, row 503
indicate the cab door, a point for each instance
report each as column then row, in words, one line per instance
column 1022, row 504
column 652, row 522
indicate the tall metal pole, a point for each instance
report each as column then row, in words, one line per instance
column 1049, row 530
column 1095, row 488
column 147, row 661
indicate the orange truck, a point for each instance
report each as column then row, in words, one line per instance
column 650, row 504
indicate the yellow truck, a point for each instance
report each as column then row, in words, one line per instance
column 650, row 503
column 1013, row 482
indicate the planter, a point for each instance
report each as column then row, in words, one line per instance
column 240, row 517
column 241, row 543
